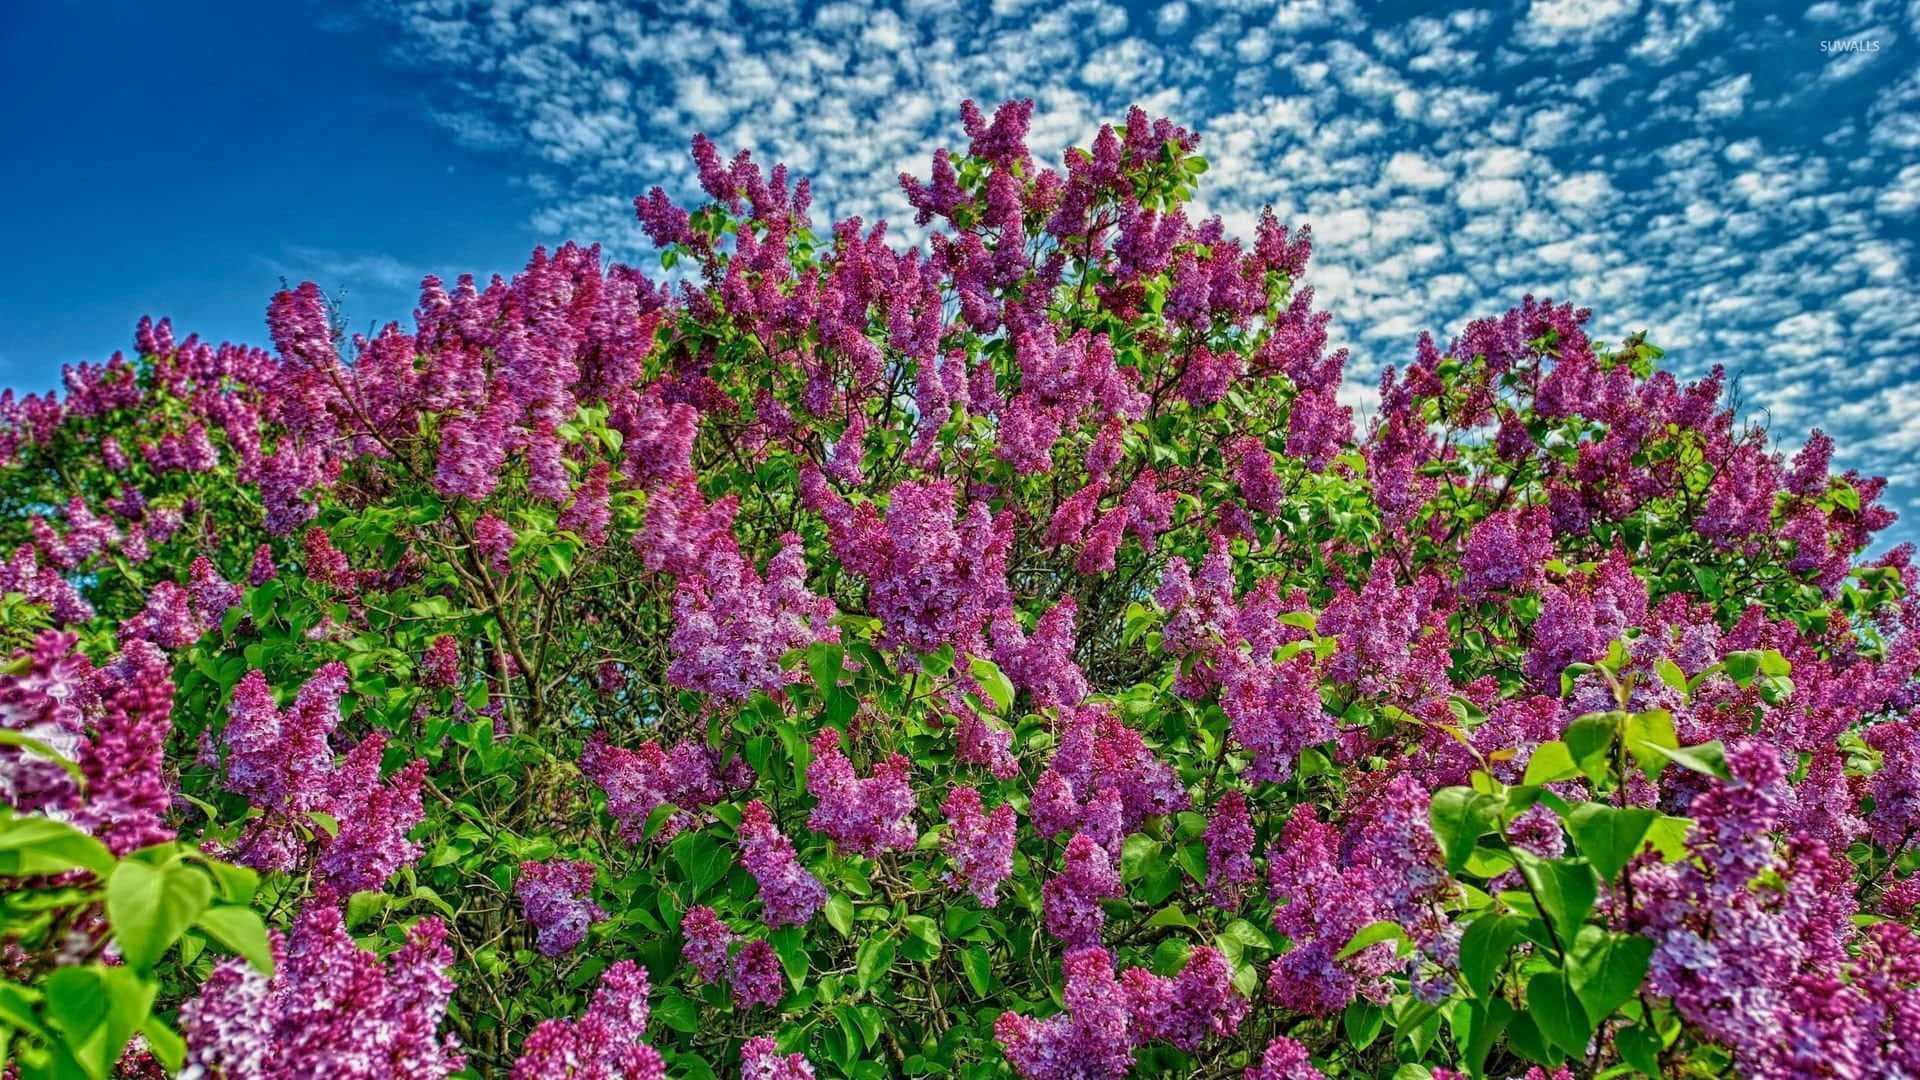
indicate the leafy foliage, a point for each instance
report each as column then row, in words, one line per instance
column 1001, row 655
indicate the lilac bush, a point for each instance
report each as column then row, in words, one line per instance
column 1002, row 655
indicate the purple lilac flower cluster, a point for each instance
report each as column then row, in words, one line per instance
column 556, row 896
column 604, row 1042
column 864, row 816
column 330, row 1009
column 789, row 893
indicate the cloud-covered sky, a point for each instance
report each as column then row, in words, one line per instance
column 1740, row 180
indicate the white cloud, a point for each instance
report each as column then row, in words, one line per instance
column 1628, row 155
column 1726, row 98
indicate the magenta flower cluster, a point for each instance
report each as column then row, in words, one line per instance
column 330, row 1009
column 556, row 896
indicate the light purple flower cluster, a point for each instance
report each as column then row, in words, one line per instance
column 1229, row 837
column 1091, row 1040
column 731, row 626
column 604, row 1043
column 1578, row 620
column 330, row 1009
column 374, row 820
column 637, row 782
column 707, row 940
column 1285, row 1059
column 756, row 976
column 864, row 816
column 124, row 756
column 933, row 578
column 979, row 845
column 1071, row 900
column 1752, row 939
column 41, row 697
column 283, row 762
column 556, row 896
column 1103, row 780
column 1042, row 664
column 789, row 893
column 761, row 1059
column 1188, row 1008
column 1504, row 552
column 1320, row 904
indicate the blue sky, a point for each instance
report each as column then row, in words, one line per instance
column 1730, row 178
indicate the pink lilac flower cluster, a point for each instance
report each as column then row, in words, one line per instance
column 440, row 667
column 330, row 1009
column 1072, row 898
column 934, row 577
column 283, row 761
column 556, row 896
column 1091, row 1040
column 979, row 844
column 1284, row 1059
column 789, row 893
column 638, row 782
column 1189, row 1008
column 1320, row 903
column 756, row 977
column 731, row 626
column 864, row 816
column 1229, row 836
column 112, row 721
column 707, row 940
column 604, row 1042
column 761, row 1059
column 1775, row 970
column 1103, row 780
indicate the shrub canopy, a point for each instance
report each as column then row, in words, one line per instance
column 999, row 654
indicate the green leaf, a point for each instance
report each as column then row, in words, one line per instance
column 241, row 931
column 1647, row 734
column 978, row 965
column 1589, row 738
column 1608, row 837
column 839, row 912
column 1668, row 836
column 1639, row 1048
column 1490, row 1019
column 1565, row 888
column 167, row 1045
column 993, row 681
column 826, row 662
column 876, row 956
column 1370, row 935
column 1559, row 1014
column 1483, row 949
column 1363, row 1022
column 1707, row 757
column 32, row 846
column 1460, row 816
column 677, row 1012
column 790, row 945
column 1551, row 761
column 1606, row 968
column 702, row 859
column 150, row 907
column 1671, row 674
column 98, row 1009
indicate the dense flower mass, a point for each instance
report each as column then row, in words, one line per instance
column 557, row 898
column 1001, row 655
column 604, row 1042
column 331, row 1009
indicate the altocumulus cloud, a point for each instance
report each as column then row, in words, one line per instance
column 1704, row 171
